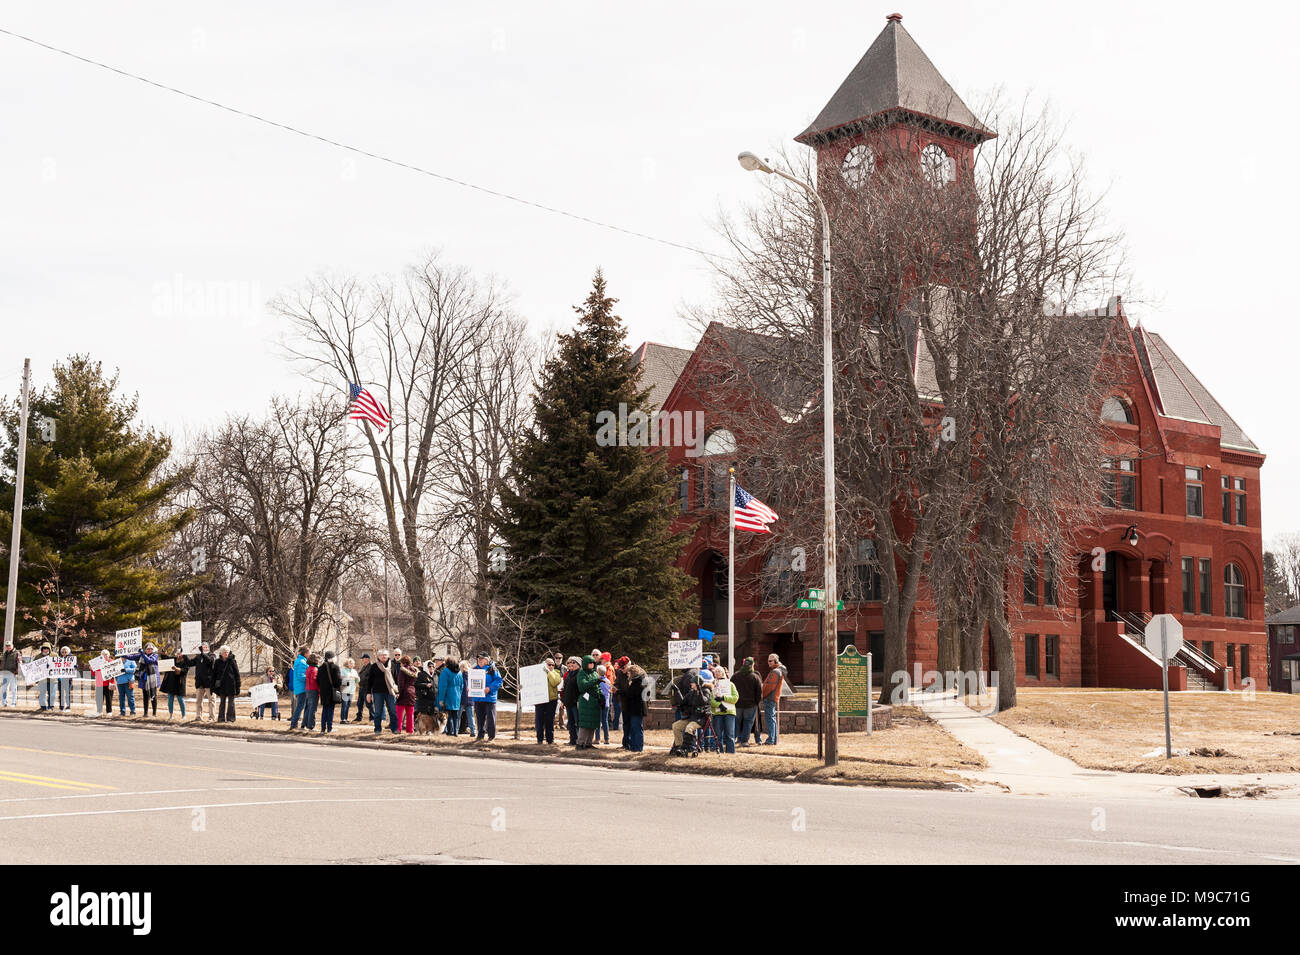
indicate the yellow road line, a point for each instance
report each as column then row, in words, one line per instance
column 149, row 762
column 49, row 782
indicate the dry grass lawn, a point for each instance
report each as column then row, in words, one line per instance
column 1115, row 729
column 914, row 751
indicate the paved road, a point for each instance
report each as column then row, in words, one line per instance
column 88, row 793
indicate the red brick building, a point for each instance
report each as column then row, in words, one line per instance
column 1181, row 532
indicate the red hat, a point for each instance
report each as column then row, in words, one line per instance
column 622, row 662
column 606, row 657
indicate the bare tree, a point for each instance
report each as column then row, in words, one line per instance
column 413, row 341
column 281, row 515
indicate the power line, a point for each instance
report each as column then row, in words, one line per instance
column 353, row 149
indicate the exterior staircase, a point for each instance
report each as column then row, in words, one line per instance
column 1202, row 672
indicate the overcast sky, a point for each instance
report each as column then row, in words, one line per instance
column 150, row 230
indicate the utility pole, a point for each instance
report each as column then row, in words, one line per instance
column 11, row 595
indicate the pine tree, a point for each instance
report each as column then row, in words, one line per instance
column 97, row 505
column 588, row 527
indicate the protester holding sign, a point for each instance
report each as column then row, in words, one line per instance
column 723, row 705
column 485, row 706
column 126, row 686
column 173, row 684
column 104, row 683
column 45, row 685
column 225, row 684
column 263, row 699
column 65, row 674
column 146, row 674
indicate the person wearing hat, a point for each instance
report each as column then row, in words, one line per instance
column 485, row 707
column 569, row 696
column 45, row 688
column 749, row 691
column 10, row 664
column 225, row 684
column 588, row 682
column 329, row 682
column 146, row 672
column 634, row 699
column 65, row 683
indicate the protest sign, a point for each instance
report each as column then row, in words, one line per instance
column 36, row 670
column 165, row 665
column 191, row 636
column 112, row 669
column 533, row 688
column 263, row 693
column 477, row 684
column 128, row 641
column 97, row 662
column 685, row 654
column 63, row 667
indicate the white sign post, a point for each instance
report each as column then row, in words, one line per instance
column 191, row 636
column 685, row 654
column 128, row 641
column 1164, row 634
column 533, row 688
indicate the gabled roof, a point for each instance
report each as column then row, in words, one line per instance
column 661, row 366
column 1181, row 394
column 893, row 74
column 1291, row 615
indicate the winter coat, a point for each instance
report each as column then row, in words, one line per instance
column 589, row 695
column 554, row 680
column 406, row 686
column 311, row 679
column 569, row 693
column 494, row 681
column 749, row 688
column 201, row 664
column 146, row 669
column 375, row 683
column 299, row 675
column 10, row 662
column 173, row 681
column 633, row 696
column 225, row 676
column 772, row 684
column 725, row 704
column 128, row 673
column 426, row 692
column 348, row 680
column 330, row 682
column 451, row 689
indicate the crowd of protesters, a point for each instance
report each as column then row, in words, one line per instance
column 588, row 696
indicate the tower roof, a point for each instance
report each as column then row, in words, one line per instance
column 894, row 74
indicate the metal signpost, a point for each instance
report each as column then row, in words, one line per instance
column 1165, row 634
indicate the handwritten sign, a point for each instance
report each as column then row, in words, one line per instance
column 685, row 654
column 533, row 687
column 191, row 636
column 63, row 667
column 128, row 641
column 262, row 694
column 36, row 670
column 112, row 669
column 165, row 665
column 477, row 684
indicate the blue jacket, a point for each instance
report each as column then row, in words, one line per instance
column 494, row 681
column 300, row 675
column 451, row 685
column 124, row 678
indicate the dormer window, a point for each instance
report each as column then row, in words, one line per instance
column 1116, row 411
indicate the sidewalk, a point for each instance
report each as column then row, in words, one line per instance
column 1025, row 768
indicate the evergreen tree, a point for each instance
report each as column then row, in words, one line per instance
column 588, row 527
column 97, row 505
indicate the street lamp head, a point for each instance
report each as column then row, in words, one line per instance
column 751, row 163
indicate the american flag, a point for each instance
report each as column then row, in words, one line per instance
column 363, row 406
column 751, row 513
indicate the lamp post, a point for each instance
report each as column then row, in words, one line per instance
column 830, row 714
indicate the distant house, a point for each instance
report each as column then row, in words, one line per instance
column 1283, row 654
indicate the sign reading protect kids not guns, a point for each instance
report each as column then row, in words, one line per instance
column 128, row 641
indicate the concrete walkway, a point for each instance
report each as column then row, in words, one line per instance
column 1026, row 768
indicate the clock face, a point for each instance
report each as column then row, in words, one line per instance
column 859, row 163
column 937, row 166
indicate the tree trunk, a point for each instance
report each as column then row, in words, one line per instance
column 1004, row 652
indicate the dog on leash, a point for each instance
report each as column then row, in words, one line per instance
column 428, row 723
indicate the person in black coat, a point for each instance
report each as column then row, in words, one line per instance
column 330, row 680
column 225, row 684
column 202, row 664
column 173, row 684
column 569, row 697
column 363, row 681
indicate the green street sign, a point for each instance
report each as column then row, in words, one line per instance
column 815, row 594
column 806, row 603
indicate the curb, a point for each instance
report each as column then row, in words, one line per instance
column 485, row 753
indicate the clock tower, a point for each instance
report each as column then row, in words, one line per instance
column 894, row 106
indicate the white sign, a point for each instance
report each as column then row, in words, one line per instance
column 533, row 687
column 165, row 665
column 685, row 654
column 38, row 669
column 721, row 689
column 128, row 641
column 477, row 684
column 263, row 693
column 112, row 669
column 191, row 636
column 63, row 667
column 97, row 662
column 1164, row 636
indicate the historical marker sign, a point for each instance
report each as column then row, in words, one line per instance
column 853, row 671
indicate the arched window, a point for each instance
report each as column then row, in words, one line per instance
column 1234, row 592
column 719, row 444
column 938, row 167
column 720, row 441
column 1116, row 410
